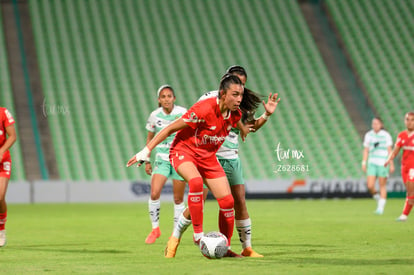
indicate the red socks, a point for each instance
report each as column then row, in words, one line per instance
column 226, row 216
column 3, row 217
column 407, row 206
column 195, row 203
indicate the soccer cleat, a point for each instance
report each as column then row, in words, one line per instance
column 3, row 239
column 171, row 248
column 153, row 236
column 249, row 252
column 232, row 254
column 379, row 212
column 402, row 218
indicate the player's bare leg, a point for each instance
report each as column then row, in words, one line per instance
column 243, row 222
column 178, row 193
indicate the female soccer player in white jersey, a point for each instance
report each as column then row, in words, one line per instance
column 405, row 140
column 158, row 120
column 229, row 159
column 7, row 138
column 377, row 148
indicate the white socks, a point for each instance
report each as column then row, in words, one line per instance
column 244, row 228
column 154, row 212
column 182, row 225
column 178, row 209
column 381, row 204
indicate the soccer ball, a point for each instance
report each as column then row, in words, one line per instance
column 214, row 245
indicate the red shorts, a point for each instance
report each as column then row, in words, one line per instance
column 209, row 168
column 407, row 173
column 5, row 168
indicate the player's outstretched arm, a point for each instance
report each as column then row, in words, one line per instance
column 269, row 107
column 391, row 157
column 143, row 155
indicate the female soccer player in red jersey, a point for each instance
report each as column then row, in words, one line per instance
column 405, row 140
column 7, row 138
column 202, row 130
column 228, row 157
column 159, row 119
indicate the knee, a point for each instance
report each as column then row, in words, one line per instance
column 196, row 185
column 226, row 202
column 178, row 200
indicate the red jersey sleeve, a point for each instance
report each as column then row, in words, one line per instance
column 7, row 118
column 400, row 140
column 196, row 115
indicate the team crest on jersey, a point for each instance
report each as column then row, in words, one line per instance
column 193, row 118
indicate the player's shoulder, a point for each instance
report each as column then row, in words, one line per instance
column 210, row 94
column 179, row 109
column 403, row 134
column 156, row 112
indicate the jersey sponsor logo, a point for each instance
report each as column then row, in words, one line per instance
column 212, row 140
column 410, row 148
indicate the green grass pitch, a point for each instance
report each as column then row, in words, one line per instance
column 295, row 236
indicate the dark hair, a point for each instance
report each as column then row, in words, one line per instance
column 227, row 80
column 380, row 120
column 251, row 100
column 236, row 69
column 249, row 104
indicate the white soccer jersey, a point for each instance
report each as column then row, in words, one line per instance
column 377, row 143
column 157, row 121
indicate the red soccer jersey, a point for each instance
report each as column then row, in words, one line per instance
column 407, row 144
column 207, row 128
column 6, row 119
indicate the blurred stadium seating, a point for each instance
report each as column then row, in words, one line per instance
column 6, row 100
column 104, row 60
column 379, row 37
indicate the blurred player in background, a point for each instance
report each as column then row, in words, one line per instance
column 230, row 161
column 201, row 131
column 405, row 140
column 7, row 138
column 377, row 148
column 158, row 120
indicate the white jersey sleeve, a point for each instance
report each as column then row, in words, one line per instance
column 208, row 95
column 152, row 119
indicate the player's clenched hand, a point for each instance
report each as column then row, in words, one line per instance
column 245, row 129
column 148, row 168
column 140, row 157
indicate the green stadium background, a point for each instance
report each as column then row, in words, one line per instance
column 101, row 61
